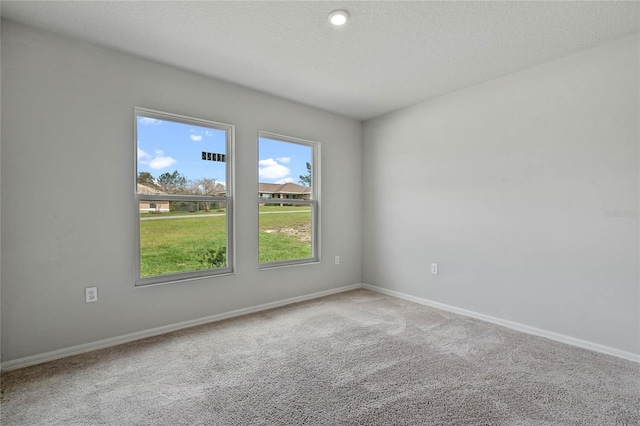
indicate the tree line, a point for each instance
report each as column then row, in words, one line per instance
column 177, row 183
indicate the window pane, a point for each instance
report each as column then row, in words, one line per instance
column 285, row 163
column 181, row 237
column 284, row 232
column 186, row 233
column 286, row 227
column 179, row 158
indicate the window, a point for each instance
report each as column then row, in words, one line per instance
column 184, row 203
column 288, row 197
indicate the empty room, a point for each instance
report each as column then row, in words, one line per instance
column 320, row 213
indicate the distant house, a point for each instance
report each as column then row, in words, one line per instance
column 152, row 206
column 271, row 191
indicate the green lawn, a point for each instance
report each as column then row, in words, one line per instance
column 284, row 236
column 283, row 208
column 178, row 213
column 177, row 245
column 222, row 211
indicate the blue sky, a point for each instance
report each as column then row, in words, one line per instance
column 281, row 162
column 165, row 146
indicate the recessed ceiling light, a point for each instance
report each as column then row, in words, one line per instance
column 338, row 17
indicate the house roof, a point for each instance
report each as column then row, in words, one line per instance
column 271, row 188
column 144, row 189
column 287, row 188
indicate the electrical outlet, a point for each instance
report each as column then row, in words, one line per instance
column 337, row 260
column 434, row 268
column 91, row 294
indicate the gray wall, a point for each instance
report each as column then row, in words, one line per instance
column 506, row 185
column 0, row 197
column 67, row 182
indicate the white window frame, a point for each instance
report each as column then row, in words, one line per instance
column 228, row 198
column 314, row 202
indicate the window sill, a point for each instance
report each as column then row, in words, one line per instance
column 179, row 280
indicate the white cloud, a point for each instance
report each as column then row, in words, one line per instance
column 208, row 132
column 268, row 162
column 142, row 155
column 196, row 138
column 271, row 169
column 160, row 161
column 147, row 120
column 285, row 180
column 285, row 160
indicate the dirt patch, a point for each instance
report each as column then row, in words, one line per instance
column 302, row 233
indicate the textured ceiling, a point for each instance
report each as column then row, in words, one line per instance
column 390, row 54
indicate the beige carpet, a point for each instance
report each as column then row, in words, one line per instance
column 357, row 358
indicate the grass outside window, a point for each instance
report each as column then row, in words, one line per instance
column 179, row 243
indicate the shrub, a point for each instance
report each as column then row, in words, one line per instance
column 215, row 257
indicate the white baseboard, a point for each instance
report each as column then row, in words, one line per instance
column 101, row 344
column 513, row 325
